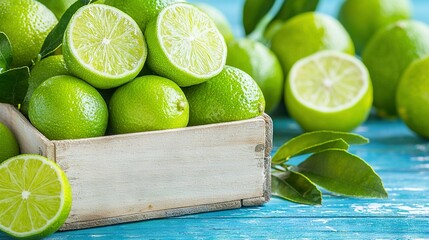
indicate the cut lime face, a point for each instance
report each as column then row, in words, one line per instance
column 35, row 196
column 104, row 46
column 329, row 90
column 329, row 81
column 185, row 45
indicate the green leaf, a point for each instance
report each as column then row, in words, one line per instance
column 253, row 12
column 314, row 142
column 55, row 37
column 291, row 8
column 295, row 187
column 5, row 52
column 85, row 2
column 13, row 85
column 341, row 172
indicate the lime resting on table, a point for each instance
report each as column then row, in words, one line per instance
column 388, row 54
column 412, row 97
column 35, row 196
column 104, row 46
column 185, row 45
column 306, row 34
column 329, row 90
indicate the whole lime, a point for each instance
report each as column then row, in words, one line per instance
column 65, row 107
column 362, row 18
column 262, row 65
column 26, row 23
column 388, row 54
column 148, row 103
column 412, row 97
column 142, row 11
column 230, row 96
column 9, row 145
column 308, row 33
column 48, row 67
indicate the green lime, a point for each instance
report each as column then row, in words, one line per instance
column 148, row 103
column 262, row 65
column 362, row 18
column 142, row 11
column 388, row 54
column 230, row 96
column 329, row 90
column 308, row 33
column 26, row 23
column 58, row 7
column 9, row 145
column 219, row 19
column 185, row 45
column 35, row 197
column 104, row 46
column 412, row 97
column 65, row 107
column 48, row 67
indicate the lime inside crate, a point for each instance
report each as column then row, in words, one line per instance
column 140, row 176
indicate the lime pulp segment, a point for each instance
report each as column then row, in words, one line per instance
column 32, row 195
column 329, row 81
column 191, row 40
column 106, row 40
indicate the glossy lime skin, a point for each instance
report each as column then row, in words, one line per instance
column 65, row 107
column 388, row 54
column 9, row 145
column 262, row 65
column 412, row 97
column 230, row 96
column 362, row 18
column 148, row 103
column 308, row 33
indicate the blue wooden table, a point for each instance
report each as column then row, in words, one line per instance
column 400, row 157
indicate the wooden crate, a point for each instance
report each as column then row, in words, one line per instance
column 133, row 177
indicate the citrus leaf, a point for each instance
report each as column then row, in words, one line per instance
column 253, row 12
column 13, row 85
column 85, row 2
column 315, row 141
column 341, row 172
column 291, row 8
column 5, row 52
column 55, row 37
column 295, row 187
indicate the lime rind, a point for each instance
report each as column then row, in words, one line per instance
column 21, row 182
column 329, row 81
column 104, row 46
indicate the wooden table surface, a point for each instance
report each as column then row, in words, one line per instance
column 399, row 156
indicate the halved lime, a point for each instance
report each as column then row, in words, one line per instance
column 185, row 45
column 35, row 196
column 329, row 90
column 104, row 46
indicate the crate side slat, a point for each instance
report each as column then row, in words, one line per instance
column 139, row 173
column 29, row 138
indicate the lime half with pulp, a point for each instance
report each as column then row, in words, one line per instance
column 185, row 45
column 104, row 46
column 35, row 196
column 329, row 90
